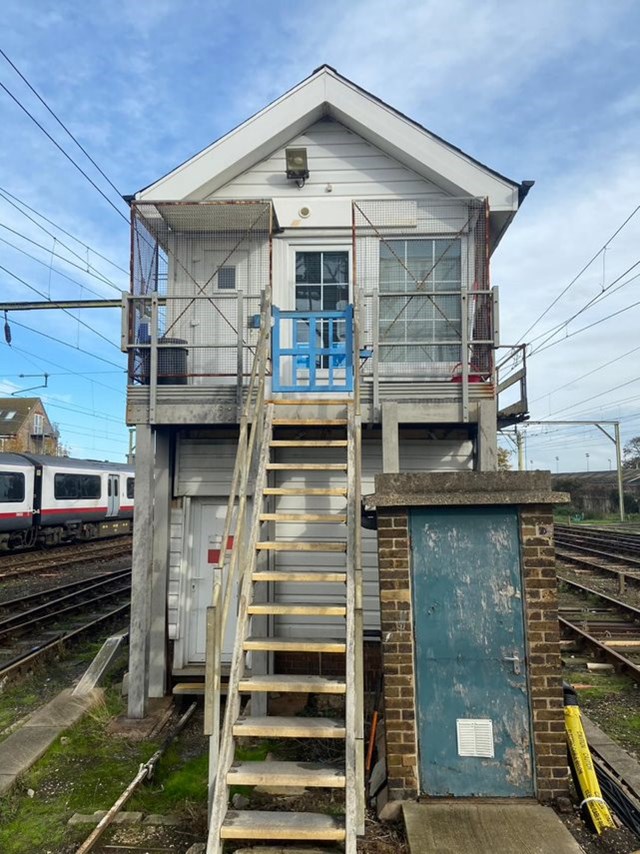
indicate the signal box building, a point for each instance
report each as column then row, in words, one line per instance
column 314, row 290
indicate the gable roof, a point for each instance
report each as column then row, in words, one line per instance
column 14, row 411
column 326, row 92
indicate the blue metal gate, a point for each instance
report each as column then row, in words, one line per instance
column 471, row 684
column 318, row 355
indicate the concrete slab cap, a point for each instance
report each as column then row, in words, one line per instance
column 63, row 711
column 22, row 748
column 464, row 828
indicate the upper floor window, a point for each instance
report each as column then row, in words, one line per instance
column 38, row 424
column 420, row 302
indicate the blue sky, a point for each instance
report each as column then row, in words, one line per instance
column 548, row 91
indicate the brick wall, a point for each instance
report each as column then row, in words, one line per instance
column 543, row 652
column 397, row 652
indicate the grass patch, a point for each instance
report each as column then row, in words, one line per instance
column 602, row 685
column 83, row 771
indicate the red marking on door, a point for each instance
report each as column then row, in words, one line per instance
column 213, row 555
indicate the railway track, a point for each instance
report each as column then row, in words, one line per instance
column 599, row 538
column 33, row 625
column 23, row 563
column 606, row 624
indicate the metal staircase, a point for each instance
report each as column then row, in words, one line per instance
column 268, row 427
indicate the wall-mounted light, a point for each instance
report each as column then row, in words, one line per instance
column 297, row 165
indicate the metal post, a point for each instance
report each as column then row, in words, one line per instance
column 153, row 359
column 240, row 353
column 619, row 467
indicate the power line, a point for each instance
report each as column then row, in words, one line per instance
column 598, row 298
column 593, row 397
column 62, row 151
column 65, row 344
column 583, row 270
column 66, row 311
column 584, row 376
column 57, row 240
column 50, row 267
column 95, row 275
column 82, row 374
column 60, row 228
column 584, row 329
column 61, row 123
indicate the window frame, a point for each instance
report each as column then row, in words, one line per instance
column 22, row 479
column 93, row 478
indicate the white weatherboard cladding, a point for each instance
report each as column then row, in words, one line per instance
column 337, row 157
column 415, row 455
column 205, row 469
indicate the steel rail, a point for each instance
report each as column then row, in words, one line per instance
column 28, row 658
column 10, row 626
column 25, row 565
column 616, row 658
column 624, row 606
column 42, row 594
column 43, row 612
column 613, row 559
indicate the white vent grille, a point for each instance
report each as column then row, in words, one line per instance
column 475, row 737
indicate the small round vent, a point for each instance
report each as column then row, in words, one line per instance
column 305, row 212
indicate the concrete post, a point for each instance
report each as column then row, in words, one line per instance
column 487, row 452
column 160, row 565
column 141, row 575
column 390, row 438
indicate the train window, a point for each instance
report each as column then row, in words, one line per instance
column 11, row 486
column 76, row 486
column 109, row 487
column 130, row 486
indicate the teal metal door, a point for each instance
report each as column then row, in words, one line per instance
column 471, row 686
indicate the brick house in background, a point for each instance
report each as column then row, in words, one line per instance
column 25, row 427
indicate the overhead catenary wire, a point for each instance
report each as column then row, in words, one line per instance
column 583, row 329
column 65, row 343
column 66, row 311
column 580, row 273
column 584, row 376
column 596, row 300
column 63, row 152
column 82, row 374
column 61, row 242
column 95, row 275
column 5, row 192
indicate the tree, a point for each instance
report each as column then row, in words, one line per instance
column 504, row 460
column 631, row 453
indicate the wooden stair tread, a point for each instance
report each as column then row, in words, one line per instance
column 307, row 466
column 286, row 683
column 279, row 644
column 310, row 422
column 303, row 517
column 297, row 546
column 337, row 490
column 299, row 608
column 298, row 576
column 261, row 824
column 285, row 774
column 308, row 443
column 289, row 727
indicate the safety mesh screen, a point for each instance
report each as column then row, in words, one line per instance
column 422, row 272
column 209, row 262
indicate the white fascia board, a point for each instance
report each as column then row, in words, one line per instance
column 326, row 92
column 416, row 148
column 242, row 147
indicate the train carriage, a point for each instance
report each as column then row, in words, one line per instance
column 50, row 500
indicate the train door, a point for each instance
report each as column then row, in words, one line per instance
column 113, row 494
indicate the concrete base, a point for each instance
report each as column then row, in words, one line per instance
column 486, row 828
column 137, row 729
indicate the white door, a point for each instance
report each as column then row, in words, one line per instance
column 113, row 494
column 207, row 524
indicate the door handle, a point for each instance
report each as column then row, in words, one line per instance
column 516, row 662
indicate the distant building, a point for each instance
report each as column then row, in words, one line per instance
column 596, row 492
column 25, row 427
